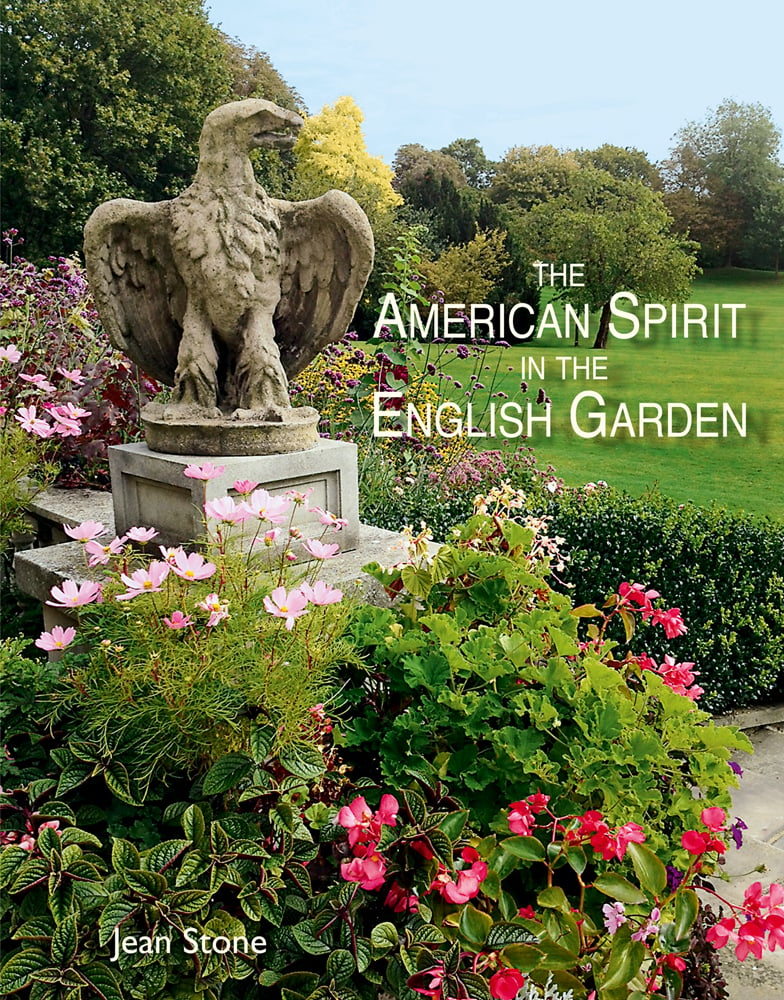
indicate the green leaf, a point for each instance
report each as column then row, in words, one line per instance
column 528, row 848
column 193, row 823
column 226, row 773
column 585, row 611
column 341, row 965
column 119, row 783
column 310, row 944
column 56, row 810
column 114, row 914
column 383, row 937
column 687, row 905
column 626, row 958
column 12, row 858
column 303, row 760
column 554, row 898
column 146, row 883
column 61, row 900
column 64, row 941
column 19, row 969
column 163, row 855
column 618, row 887
column 103, row 981
column 476, row 985
column 73, row 775
column 453, row 824
column 34, row 870
column 475, row 925
column 191, row 900
column 262, row 739
column 649, row 869
column 124, row 855
column 503, row 934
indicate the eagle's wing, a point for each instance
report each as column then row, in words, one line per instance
column 139, row 293
column 326, row 256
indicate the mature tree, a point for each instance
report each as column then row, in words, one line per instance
column 621, row 231
column 468, row 272
column 528, row 175
column 476, row 167
column 434, row 187
column 413, row 164
column 766, row 233
column 101, row 98
column 623, row 162
column 331, row 153
column 718, row 172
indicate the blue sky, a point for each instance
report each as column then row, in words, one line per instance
column 572, row 74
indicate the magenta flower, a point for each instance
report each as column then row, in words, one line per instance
column 84, row 532
column 101, row 554
column 671, row 622
column 204, row 471
column 467, row 886
column 142, row 534
column 286, row 605
column 224, row 509
column 178, row 620
column 58, row 638
column 144, row 581
column 319, row 550
column 321, row 593
column 218, row 609
column 191, row 566
column 74, row 595
column 370, row 871
column 10, row 353
column 266, row 507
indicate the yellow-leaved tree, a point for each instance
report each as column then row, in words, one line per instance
column 331, row 153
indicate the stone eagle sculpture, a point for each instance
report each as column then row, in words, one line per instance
column 223, row 292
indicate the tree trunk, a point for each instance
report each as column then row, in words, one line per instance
column 604, row 328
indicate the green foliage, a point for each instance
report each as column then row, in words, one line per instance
column 468, row 272
column 23, row 683
column 723, row 570
column 101, row 99
column 24, row 472
column 479, row 678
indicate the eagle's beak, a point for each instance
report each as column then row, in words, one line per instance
column 276, row 132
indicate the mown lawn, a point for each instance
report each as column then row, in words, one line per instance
column 740, row 473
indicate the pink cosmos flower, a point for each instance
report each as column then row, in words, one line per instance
column 614, row 916
column 32, row 423
column 286, row 605
column 506, row 984
column 178, row 620
column 141, row 535
column 217, row 608
column 74, row 595
column 369, row 871
column 204, row 471
column 73, row 375
column 266, row 507
column 58, row 638
column 225, row 509
column 321, row 593
column 39, row 381
column 298, row 497
column 144, row 581
column 84, row 532
column 319, row 550
column 325, row 517
column 191, row 566
column 168, row 553
column 10, row 353
column 245, row 486
column 101, row 554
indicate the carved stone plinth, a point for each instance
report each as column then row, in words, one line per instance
column 150, row 489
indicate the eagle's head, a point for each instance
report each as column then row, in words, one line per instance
column 250, row 124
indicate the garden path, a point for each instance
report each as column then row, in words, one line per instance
column 760, row 803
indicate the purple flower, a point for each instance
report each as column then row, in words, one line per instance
column 736, row 768
column 736, row 831
column 462, row 351
column 674, row 878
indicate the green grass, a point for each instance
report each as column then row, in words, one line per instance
column 740, row 473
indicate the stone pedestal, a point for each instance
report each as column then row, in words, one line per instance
column 150, row 489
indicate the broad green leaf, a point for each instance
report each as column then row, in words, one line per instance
column 302, row 760
column 193, row 823
column 649, row 869
column 19, row 969
column 162, row 856
column 226, row 773
column 474, row 925
column 687, row 906
column 124, row 855
column 146, row 883
column 341, row 965
column 103, row 981
column 618, row 887
column 114, row 913
column 383, row 937
column 554, row 898
column 64, row 941
column 528, row 848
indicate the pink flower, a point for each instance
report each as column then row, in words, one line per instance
column 144, row 581
column 286, row 605
column 191, row 566
column 84, row 532
column 614, row 916
column 74, row 595
column 225, row 509
column 58, row 638
column 399, row 901
column 319, row 550
column 538, row 801
column 527, row 913
column 521, row 818
column 325, row 517
column 10, row 353
column 74, row 375
column 671, row 622
column 356, row 817
column 266, row 507
column 142, row 534
column 714, row 818
column 39, row 381
column 468, row 882
column 178, row 620
column 205, row 471
column 27, row 417
column 369, row 871
column 429, row 981
column 245, row 486
column 697, row 843
column 387, row 811
column 321, row 593
column 506, row 984
column 298, row 497
column 722, row 932
column 100, row 554
column 218, row 609
column 635, row 593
